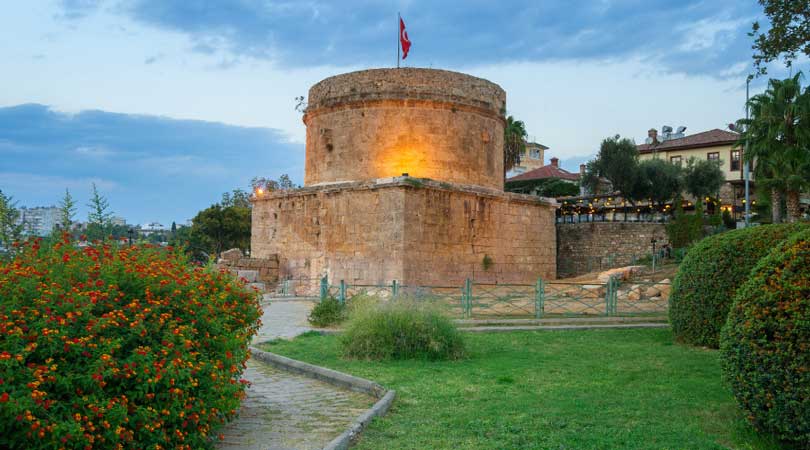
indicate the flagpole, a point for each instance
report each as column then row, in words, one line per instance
column 399, row 32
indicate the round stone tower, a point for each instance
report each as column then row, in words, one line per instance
column 426, row 123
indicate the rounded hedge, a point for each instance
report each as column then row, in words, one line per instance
column 712, row 271
column 110, row 346
column 765, row 344
column 401, row 329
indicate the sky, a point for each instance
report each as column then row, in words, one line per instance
column 166, row 104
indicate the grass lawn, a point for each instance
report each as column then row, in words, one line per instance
column 596, row 389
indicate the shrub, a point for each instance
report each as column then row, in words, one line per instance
column 112, row 346
column 327, row 313
column 709, row 276
column 765, row 344
column 401, row 329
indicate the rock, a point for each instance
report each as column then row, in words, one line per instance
column 633, row 296
column 250, row 275
column 652, row 292
column 233, row 255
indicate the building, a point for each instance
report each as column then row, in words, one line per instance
column 404, row 181
column 119, row 221
column 40, row 220
column 152, row 227
column 717, row 145
column 532, row 158
column 529, row 182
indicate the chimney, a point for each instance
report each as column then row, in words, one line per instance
column 582, row 169
column 652, row 134
column 555, row 161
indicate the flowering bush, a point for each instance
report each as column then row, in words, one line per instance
column 118, row 347
column 766, row 343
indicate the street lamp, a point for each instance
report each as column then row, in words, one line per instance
column 746, row 164
column 653, row 241
column 130, row 232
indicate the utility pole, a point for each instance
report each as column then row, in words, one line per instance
column 745, row 161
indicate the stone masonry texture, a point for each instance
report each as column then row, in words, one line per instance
column 380, row 123
column 586, row 247
column 419, row 232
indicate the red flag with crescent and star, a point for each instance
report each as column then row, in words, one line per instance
column 403, row 39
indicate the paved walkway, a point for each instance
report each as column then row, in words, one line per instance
column 286, row 411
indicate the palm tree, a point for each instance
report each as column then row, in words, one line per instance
column 514, row 142
column 778, row 140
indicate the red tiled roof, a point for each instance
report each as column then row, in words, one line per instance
column 709, row 138
column 547, row 171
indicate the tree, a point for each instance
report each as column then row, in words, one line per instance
column 10, row 228
column 67, row 210
column 174, row 227
column 514, row 142
column 789, row 34
column 99, row 218
column 658, row 180
column 617, row 161
column 778, row 140
column 237, row 197
column 222, row 227
column 268, row 184
column 702, row 178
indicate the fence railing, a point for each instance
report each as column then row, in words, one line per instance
column 541, row 299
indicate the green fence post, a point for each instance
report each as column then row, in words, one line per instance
column 394, row 288
column 609, row 296
column 324, row 287
column 539, row 298
column 342, row 292
column 468, row 289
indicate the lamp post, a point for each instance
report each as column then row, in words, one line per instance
column 130, row 232
column 653, row 241
column 746, row 164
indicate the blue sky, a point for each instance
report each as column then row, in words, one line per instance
column 166, row 104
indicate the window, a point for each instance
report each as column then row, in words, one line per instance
column 713, row 156
column 735, row 160
column 535, row 153
column 675, row 160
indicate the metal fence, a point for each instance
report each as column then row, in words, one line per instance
column 541, row 299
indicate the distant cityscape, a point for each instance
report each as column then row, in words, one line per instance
column 43, row 220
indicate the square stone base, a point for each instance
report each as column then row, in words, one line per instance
column 416, row 231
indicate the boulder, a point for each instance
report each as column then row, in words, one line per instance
column 652, row 292
column 232, row 255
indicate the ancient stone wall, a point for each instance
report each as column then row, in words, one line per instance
column 587, row 247
column 427, row 123
column 419, row 232
column 266, row 268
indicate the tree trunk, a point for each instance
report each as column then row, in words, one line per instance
column 793, row 211
column 776, row 205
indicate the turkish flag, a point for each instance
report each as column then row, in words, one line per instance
column 403, row 39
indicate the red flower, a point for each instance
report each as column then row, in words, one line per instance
column 4, row 397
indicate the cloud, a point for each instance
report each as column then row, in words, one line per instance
column 151, row 167
column 691, row 36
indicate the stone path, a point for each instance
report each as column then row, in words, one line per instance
column 286, row 411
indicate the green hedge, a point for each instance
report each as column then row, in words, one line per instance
column 709, row 276
column 110, row 346
column 765, row 344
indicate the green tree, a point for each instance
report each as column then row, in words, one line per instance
column 658, row 180
column 67, row 210
column 10, row 229
column 514, row 142
column 174, row 227
column 789, row 34
column 268, row 184
column 221, row 227
column 778, row 138
column 99, row 218
column 702, row 178
column 617, row 161
column 237, row 197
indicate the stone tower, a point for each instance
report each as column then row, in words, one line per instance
column 382, row 123
column 404, row 181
